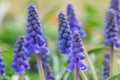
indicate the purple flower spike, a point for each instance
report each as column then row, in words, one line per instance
column 111, row 29
column 77, row 56
column 64, row 36
column 73, row 22
column 2, row 64
column 34, row 37
column 19, row 63
column 115, row 4
column 106, row 69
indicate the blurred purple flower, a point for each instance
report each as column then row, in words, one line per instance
column 2, row 64
column 73, row 22
column 115, row 4
column 111, row 29
column 35, row 41
column 46, row 66
column 77, row 56
column 64, row 36
column 106, row 70
column 19, row 60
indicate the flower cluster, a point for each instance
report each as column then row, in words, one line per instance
column 106, row 66
column 35, row 41
column 111, row 29
column 64, row 36
column 115, row 5
column 48, row 73
column 73, row 22
column 77, row 56
column 19, row 61
column 45, row 61
column 2, row 64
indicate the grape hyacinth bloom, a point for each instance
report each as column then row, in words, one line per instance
column 2, row 64
column 111, row 35
column 19, row 63
column 46, row 66
column 35, row 41
column 73, row 22
column 106, row 70
column 77, row 56
column 64, row 36
column 115, row 4
column 49, row 74
column 111, row 29
column 34, row 37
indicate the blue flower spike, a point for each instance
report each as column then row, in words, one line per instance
column 65, row 37
column 19, row 63
column 77, row 56
column 115, row 5
column 2, row 64
column 106, row 69
column 111, row 29
column 73, row 22
column 35, row 42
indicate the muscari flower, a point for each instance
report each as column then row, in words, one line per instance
column 111, row 29
column 2, row 64
column 106, row 69
column 35, row 42
column 73, row 22
column 46, row 66
column 19, row 63
column 64, row 34
column 49, row 74
column 115, row 4
column 76, row 57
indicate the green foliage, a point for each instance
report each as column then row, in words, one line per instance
column 92, row 22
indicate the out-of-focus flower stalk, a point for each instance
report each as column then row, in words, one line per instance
column 106, row 67
column 91, row 66
column 111, row 35
column 40, row 67
column 35, row 41
column 83, row 76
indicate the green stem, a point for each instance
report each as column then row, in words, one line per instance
column 114, row 76
column 21, row 77
column 91, row 66
column 76, row 72
column 0, row 77
column 112, row 59
column 84, row 77
column 40, row 67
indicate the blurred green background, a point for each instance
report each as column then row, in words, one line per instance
column 91, row 13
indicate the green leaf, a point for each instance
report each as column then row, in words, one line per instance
column 113, row 77
column 97, row 50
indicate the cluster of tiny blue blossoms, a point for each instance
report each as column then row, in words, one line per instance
column 19, row 62
column 111, row 29
column 65, row 37
column 73, row 22
column 106, row 70
column 46, row 66
column 115, row 5
column 76, row 57
column 35, row 42
column 2, row 64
